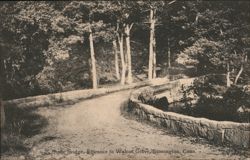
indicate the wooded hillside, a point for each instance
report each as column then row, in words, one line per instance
column 51, row 46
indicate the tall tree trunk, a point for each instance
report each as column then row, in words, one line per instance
column 154, row 61
column 93, row 61
column 127, row 32
column 169, row 55
column 1, row 89
column 151, row 44
column 116, row 60
column 228, row 75
column 122, row 59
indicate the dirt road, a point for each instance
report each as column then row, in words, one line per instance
column 95, row 129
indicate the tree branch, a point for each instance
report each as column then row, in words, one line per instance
column 131, row 26
column 117, row 27
column 171, row 2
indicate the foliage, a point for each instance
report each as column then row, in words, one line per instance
column 45, row 44
column 236, row 96
column 23, row 48
column 215, row 42
column 217, row 102
column 20, row 124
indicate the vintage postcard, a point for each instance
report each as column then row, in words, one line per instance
column 116, row 79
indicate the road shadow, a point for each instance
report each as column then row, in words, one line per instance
column 124, row 108
column 21, row 123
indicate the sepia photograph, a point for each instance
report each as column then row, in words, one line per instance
column 125, row 80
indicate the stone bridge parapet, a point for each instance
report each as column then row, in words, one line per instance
column 220, row 132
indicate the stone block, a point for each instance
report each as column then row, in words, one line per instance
column 244, row 126
column 174, row 116
column 175, row 126
column 189, row 119
column 208, row 123
column 237, row 137
column 203, row 131
column 151, row 117
column 228, row 125
column 218, row 135
column 159, row 121
column 166, row 123
column 142, row 115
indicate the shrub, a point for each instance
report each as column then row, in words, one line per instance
column 238, row 100
column 236, row 96
column 20, row 124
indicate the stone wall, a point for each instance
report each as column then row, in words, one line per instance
column 221, row 132
column 69, row 97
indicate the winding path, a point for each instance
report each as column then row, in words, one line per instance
column 95, row 129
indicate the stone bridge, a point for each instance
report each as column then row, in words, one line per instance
column 97, row 128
